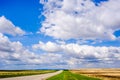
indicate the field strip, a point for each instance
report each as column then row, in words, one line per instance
column 34, row 77
column 104, row 74
column 67, row 75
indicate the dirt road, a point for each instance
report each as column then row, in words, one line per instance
column 34, row 77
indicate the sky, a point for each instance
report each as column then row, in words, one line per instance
column 59, row 34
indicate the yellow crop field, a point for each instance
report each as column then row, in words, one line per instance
column 104, row 74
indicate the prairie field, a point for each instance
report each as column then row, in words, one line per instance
column 15, row 73
column 104, row 74
column 67, row 75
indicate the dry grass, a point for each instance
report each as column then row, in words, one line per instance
column 104, row 74
column 15, row 73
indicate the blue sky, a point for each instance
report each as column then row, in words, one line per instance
column 28, row 17
column 59, row 30
column 22, row 13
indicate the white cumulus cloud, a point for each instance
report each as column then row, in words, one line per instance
column 74, row 54
column 14, row 54
column 7, row 27
column 48, row 47
column 81, row 19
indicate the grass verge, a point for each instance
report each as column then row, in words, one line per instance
column 67, row 75
column 15, row 73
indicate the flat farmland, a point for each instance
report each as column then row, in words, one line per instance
column 15, row 73
column 104, row 74
column 67, row 75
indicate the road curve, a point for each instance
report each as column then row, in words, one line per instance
column 34, row 77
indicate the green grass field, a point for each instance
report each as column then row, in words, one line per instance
column 15, row 73
column 67, row 75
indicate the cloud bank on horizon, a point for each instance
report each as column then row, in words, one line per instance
column 65, row 20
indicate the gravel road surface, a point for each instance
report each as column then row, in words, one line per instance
column 34, row 77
